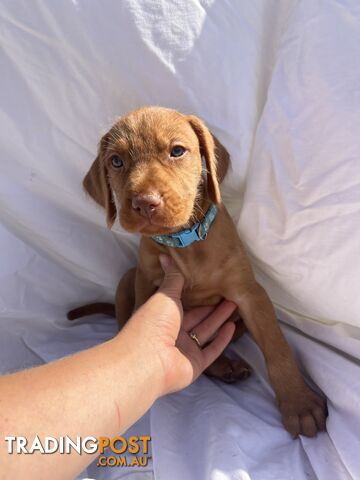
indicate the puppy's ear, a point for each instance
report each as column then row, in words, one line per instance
column 216, row 157
column 222, row 159
column 96, row 184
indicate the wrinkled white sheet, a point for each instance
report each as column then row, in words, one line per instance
column 279, row 84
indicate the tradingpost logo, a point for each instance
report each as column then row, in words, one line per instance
column 113, row 452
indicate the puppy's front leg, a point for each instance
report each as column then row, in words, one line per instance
column 125, row 297
column 302, row 410
column 143, row 288
column 132, row 291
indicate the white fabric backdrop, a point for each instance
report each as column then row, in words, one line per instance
column 279, row 84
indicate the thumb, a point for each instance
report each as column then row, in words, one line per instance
column 173, row 281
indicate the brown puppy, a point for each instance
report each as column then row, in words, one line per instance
column 149, row 171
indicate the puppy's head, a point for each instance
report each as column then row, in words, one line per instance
column 149, row 171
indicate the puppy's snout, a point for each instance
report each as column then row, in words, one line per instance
column 146, row 204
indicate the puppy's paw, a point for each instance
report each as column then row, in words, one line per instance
column 303, row 413
column 237, row 370
column 229, row 370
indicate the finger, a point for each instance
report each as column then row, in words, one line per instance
column 196, row 315
column 207, row 328
column 217, row 346
column 173, row 281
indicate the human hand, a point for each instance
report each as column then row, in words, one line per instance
column 163, row 330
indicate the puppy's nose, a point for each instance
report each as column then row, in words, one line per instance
column 146, row 204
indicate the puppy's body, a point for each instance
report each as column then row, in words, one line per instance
column 151, row 162
column 214, row 269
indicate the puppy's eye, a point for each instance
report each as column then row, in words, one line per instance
column 177, row 151
column 116, row 161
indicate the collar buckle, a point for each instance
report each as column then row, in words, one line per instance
column 186, row 237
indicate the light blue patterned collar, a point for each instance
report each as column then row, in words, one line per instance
column 184, row 238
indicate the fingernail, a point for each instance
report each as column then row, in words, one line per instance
column 165, row 261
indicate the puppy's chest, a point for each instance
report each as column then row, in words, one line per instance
column 203, row 289
column 204, row 281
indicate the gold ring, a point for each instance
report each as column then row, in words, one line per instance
column 195, row 338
